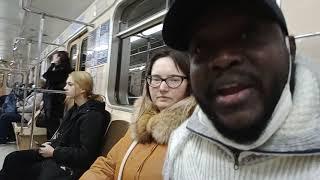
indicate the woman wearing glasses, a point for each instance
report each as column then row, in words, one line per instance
column 164, row 105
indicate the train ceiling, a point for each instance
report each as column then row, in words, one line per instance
column 15, row 22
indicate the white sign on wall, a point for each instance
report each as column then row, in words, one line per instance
column 98, row 45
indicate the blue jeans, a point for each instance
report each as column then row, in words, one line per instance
column 5, row 124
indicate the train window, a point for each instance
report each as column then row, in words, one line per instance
column 83, row 55
column 140, row 10
column 74, row 56
column 1, row 79
column 141, row 48
column 139, row 37
column 14, row 78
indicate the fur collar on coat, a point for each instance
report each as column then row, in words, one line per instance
column 152, row 125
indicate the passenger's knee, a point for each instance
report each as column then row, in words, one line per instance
column 4, row 117
column 10, row 159
column 7, row 163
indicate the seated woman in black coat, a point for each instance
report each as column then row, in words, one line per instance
column 74, row 146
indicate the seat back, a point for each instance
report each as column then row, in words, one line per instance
column 36, row 114
column 23, row 139
column 116, row 131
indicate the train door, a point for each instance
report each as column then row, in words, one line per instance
column 78, row 52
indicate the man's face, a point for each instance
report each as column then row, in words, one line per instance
column 238, row 70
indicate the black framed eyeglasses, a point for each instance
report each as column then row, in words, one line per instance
column 171, row 81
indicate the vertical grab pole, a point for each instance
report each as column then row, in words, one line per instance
column 37, row 71
column 167, row 4
column 148, row 48
column 25, row 91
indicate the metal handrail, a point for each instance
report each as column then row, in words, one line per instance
column 54, row 16
column 15, row 44
column 36, row 90
column 48, row 43
column 41, row 90
column 307, row 35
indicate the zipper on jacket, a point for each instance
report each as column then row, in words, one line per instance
column 236, row 154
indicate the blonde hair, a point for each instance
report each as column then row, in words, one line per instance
column 84, row 80
column 41, row 83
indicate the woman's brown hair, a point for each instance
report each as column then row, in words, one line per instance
column 180, row 59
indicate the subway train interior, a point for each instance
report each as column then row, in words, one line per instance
column 110, row 39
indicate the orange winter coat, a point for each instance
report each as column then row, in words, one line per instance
column 152, row 130
column 144, row 162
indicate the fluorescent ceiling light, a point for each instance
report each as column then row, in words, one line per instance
column 147, row 32
column 101, row 48
column 153, row 30
column 75, row 56
column 140, row 68
column 134, row 38
column 90, row 52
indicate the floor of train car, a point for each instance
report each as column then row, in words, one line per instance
column 6, row 149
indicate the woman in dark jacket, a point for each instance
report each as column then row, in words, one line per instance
column 56, row 77
column 74, row 146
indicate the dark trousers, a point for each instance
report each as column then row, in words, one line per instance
column 5, row 124
column 29, row 165
column 52, row 126
column 53, row 109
